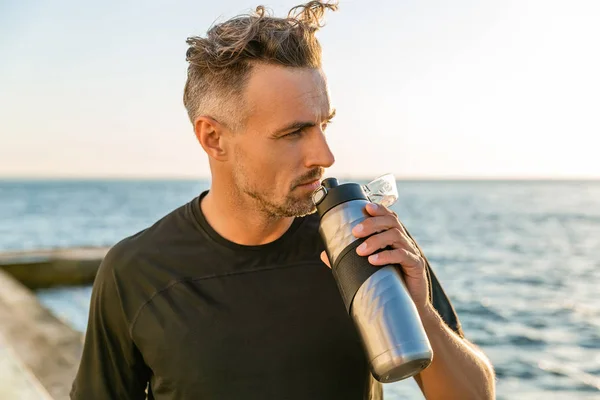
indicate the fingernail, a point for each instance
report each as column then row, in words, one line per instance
column 373, row 206
column 358, row 228
column 373, row 258
column 362, row 247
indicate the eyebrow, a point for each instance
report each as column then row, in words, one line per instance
column 298, row 125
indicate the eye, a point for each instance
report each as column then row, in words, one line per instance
column 293, row 134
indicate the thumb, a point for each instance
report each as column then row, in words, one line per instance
column 325, row 259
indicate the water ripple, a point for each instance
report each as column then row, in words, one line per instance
column 519, row 260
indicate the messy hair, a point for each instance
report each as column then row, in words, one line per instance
column 220, row 64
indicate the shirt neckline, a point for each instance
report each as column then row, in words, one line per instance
column 214, row 235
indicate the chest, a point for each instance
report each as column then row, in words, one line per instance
column 261, row 332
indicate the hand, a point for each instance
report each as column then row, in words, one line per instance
column 404, row 251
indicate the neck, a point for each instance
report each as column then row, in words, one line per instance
column 236, row 217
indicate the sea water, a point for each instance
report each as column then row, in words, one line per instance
column 520, row 261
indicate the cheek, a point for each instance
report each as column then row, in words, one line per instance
column 258, row 160
column 274, row 157
column 270, row 163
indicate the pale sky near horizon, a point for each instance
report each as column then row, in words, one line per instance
column 468, row 88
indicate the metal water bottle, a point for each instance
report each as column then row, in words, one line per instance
column 376, row 297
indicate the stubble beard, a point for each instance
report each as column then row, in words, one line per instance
column 294, row 204
column 290, row 206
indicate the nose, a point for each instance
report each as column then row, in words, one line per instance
column 319, row 153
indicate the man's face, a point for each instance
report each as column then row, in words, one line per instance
column 283, row 146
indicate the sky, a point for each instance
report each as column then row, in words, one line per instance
column 423, row 89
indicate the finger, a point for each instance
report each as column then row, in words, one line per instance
column 388, row 219
column 410, row 239
column 325, row 259
column 374, row 224
column 391, row 237
column 377, row 209
column 411, row 264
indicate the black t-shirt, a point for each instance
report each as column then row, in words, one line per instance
column 179, row 312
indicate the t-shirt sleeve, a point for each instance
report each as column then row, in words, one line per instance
column 111, row 366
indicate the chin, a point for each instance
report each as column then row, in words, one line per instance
column 290, row 206
column 308, row 212
column 297, row 207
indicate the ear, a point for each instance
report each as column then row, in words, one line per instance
column 211, row 136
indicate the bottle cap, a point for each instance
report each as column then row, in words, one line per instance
column 331, row 194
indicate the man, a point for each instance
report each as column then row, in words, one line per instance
column 225, row 297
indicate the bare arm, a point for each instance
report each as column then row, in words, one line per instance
column 459, row 370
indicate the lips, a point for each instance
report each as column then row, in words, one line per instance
column 312, row 185
column 310, row 182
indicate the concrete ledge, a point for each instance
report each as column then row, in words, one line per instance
column 16, row 381
column 49, row 268
column 44, row 345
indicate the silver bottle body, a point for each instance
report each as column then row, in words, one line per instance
column 385, row 315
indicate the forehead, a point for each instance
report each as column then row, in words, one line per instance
column 277, row 95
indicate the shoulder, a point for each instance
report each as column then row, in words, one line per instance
column 139, row 265
column 171, row 231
